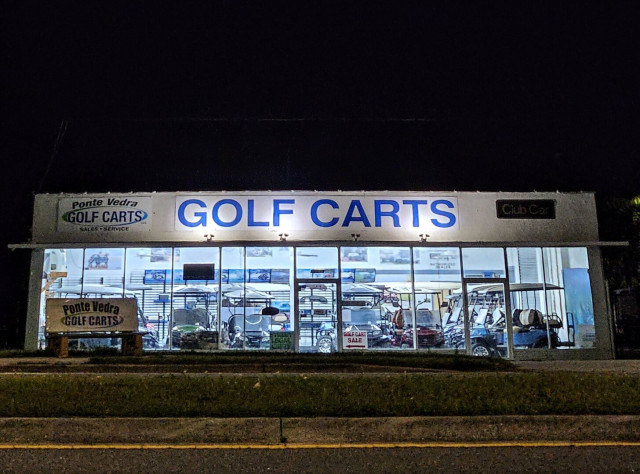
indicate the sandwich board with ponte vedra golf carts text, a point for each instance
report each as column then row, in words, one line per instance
column 92, row 317
column 354, row 340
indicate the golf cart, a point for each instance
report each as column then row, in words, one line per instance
column 531, row 328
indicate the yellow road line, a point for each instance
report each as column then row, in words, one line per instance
column 496, row 444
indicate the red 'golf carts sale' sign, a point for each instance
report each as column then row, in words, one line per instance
column 354, row 340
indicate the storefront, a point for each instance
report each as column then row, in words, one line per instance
column 515, row 275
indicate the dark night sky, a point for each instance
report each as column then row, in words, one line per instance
column 313, row 95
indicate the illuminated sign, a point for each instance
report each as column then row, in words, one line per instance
column 104, row 214
column 311, row 213
column 526, row 209
column 91, row 315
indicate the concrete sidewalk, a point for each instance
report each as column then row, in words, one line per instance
column 317, row 430
column 626, row 366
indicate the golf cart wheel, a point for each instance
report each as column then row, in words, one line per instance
column 480, row 349
column 325, row 345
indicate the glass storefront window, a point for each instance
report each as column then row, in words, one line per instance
column 550, row 298
column 317, row 263
column 61, row 278
column 317, row 299
column 103, row 273
column 194, row 313
column 483, row 262
column 147, row 275
column 257, row 297
column 437, row 279
column 571, row 305
column 531, row 327
column 205, row 298
column 377, row 296
column 232, row 301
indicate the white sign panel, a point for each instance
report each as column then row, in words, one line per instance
column 354, row 340
column 91, row 314
column 111, row 214
column 307, row 216
column 323, row 214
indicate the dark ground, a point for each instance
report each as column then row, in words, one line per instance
column 446, row 460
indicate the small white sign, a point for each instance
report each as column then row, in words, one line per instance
column 354, row 340
column 91, row 314
column 104, row 214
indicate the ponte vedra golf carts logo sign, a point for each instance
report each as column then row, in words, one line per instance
column 91, row 315
column 104, row 214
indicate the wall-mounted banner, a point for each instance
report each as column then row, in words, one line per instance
column 91, row 315
column 104, row 214
column 526, row 209
column 315, row 213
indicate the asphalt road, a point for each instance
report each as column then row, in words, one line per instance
column 367, row 460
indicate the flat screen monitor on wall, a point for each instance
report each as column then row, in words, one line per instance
column 198, row 271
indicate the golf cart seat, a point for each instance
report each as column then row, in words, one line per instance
column 481, row 318
column 530, row 317
column 553, row 320
column 498, row 318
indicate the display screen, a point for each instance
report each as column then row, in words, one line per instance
column 198, row 271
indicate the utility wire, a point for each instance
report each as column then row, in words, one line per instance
column 56, row 146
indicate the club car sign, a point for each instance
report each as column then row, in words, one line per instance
column 104, row 214
column 91, row 315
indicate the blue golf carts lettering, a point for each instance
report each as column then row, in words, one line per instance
column 323, row 213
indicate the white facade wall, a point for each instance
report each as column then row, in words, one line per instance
column 475, row 218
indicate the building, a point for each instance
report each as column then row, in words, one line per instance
column 517, row 275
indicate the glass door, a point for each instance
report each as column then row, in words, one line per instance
column 487, row 329
column 316, row 323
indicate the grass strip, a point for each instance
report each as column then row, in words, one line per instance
column 457, row 362
column 318, row 395
column 265, row 361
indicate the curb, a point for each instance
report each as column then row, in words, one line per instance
column 319, row 430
